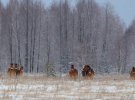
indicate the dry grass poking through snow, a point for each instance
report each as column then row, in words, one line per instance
column 39, row 87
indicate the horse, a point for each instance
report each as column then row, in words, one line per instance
column 73, row 73
column 11, row 70
column 132, row 73
column 87, row 72
column 20, row 71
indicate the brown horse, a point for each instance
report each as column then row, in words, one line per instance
column 87, row 72
column 20, row 71
column 11, row 70
column 73, row 73
column 132, row 73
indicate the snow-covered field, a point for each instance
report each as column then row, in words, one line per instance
column 39, row 87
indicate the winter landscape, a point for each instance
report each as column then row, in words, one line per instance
column 40, row 87
column 67, row 50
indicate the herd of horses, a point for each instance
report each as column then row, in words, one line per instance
column 15, row 70
column 87, row 72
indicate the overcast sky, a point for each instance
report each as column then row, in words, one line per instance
column 124, row 8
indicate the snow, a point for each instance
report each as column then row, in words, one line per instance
column 51, row 88
column 43, row 88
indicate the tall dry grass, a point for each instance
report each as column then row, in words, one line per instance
column 41, row 87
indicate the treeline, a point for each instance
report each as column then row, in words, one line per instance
column 49, row 39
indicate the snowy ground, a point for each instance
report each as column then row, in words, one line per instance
column 39, row 87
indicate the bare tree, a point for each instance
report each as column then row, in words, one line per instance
column 61, row 33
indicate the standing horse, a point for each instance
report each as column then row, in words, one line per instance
column 87, row 72
column 73, row 73
column 11, row 70
column 21, row 71
column 132, row 73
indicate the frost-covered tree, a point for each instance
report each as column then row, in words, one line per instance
column 130, row 46
column 36, row 36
